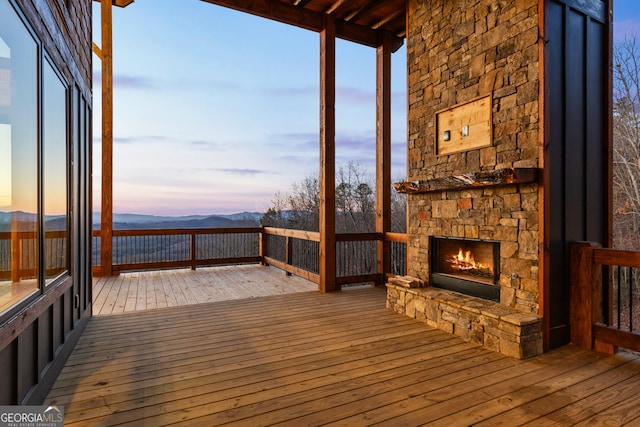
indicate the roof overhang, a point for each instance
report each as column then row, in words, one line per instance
column 366, row 22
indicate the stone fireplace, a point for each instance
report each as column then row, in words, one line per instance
column 473, row 267
column 472, row 171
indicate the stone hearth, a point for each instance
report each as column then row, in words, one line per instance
column 495, row 326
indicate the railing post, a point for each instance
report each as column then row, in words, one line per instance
column 16, row 256
column 585, row 306
column 287, row 252
column 193, row 249
column 262, row 245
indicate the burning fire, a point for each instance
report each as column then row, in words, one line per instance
column 463, row 260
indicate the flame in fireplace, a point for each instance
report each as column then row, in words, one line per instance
column 464, row 261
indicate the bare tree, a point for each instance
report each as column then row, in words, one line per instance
column 355, row 200
column 626, row 144
column 355, row 204
column 398, row 210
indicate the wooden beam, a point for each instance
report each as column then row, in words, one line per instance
column 119, row 3
column 106, row 210
column 328, row 157
column 366, row 7
column 96, row 50
column 470, row 180
column 383, row 155
column 304, row 18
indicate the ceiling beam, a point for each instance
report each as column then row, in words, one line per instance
column 120, row 3
column 368, row 6
column 287, row 13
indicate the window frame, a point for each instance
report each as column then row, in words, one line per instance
column 42, row 278
column 42, row 58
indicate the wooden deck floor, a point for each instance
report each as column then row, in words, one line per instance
column 334, row 359
column 145, row 290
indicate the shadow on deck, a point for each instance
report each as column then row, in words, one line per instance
column 311, row 359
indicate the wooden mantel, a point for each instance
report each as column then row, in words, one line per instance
column 470, row 180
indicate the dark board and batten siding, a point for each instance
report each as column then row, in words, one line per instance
column 36, row 340
column 576, row 142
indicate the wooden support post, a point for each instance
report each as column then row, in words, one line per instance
column 106, row 210
column 287, row 252
column 194, row 248
column 262, row 246
column 16, row 253
column 327, row 156
column 585, row 307
column 383, row 155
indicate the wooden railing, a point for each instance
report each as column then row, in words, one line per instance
column 294, row 251
column 605, row 297
column 184, row 247
column 19, row 254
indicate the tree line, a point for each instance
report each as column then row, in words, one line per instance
column 299, row 208
column 626, row 144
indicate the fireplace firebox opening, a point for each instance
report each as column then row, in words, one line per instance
column 467, row 266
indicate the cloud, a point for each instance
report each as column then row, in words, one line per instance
column 294, row 141
column 299, row 159
column 355, row 143
column 123, row 140
column 243, row 171
column 123, row 81
column 145, row 139
column 155, row 139
column 200, row 143
column 355, row 95
column 626, row 28
column 213, row 86
column 295, row 91
column 132, row 82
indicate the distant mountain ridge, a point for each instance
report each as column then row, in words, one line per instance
column 127, row 218
column 141, row 221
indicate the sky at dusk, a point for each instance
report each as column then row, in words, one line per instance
column 215, row 110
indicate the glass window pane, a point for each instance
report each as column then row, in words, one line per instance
column 18, row 160
column 54, row 184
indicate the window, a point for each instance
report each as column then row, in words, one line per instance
column 18, row 159
column 54, row 183
column 33, row 165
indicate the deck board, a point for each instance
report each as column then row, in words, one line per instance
column 147, row 290
column 322, row 359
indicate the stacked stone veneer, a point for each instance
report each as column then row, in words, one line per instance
column 458, row 50
column 495, row 326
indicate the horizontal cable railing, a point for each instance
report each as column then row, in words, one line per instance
column 605, row 297
column 294, row 251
